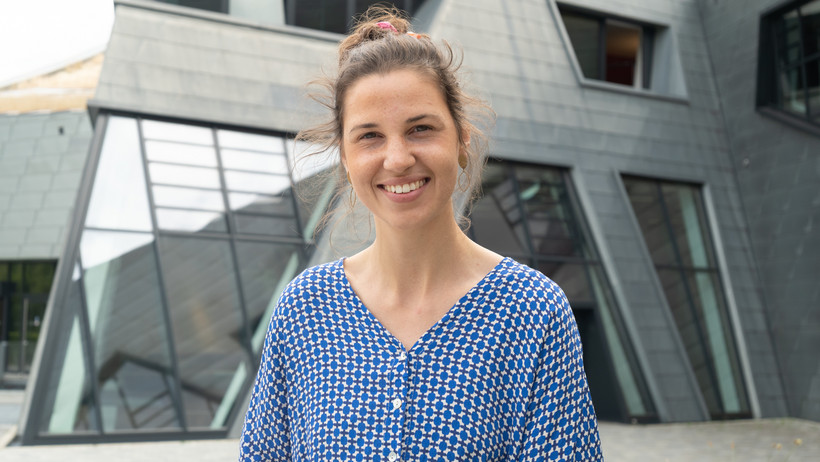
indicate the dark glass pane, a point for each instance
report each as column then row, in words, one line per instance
column 678, row 296
column 787, row 34
column 496, row 216
column 623, row 43
column 544, row 196
column 810, row 25
column 584, row 33
column 261, row 224
column 209, row 333
column 119, row 198
column 127, row 324
column 327, row 15
column 792, row 90
column 687, row 220
column 645, row 199
column 573, row 280
column 209, row 5
column 264, row 270
column 39, row 277
column 68, row 403
column 813, row 87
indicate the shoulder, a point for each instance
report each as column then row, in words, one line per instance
column 310, row 286
column 531, row 290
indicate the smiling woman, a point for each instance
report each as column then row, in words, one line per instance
column 425, row 345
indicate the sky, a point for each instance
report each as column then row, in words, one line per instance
column 39, row 36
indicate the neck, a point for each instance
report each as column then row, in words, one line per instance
column 417, row 260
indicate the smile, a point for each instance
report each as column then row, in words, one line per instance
column 405, row 188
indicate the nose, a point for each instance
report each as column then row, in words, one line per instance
column 398, row 156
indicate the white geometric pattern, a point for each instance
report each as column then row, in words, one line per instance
column 499, row 377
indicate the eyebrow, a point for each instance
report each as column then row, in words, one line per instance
column 409, row 121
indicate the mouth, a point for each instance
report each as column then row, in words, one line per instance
column 404, row 188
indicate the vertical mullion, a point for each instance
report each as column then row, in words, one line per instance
column 602, row 49
column 176, row 391
column 710, row 366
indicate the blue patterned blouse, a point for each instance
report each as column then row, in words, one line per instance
column 499, row 378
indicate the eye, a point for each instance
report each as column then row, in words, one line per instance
column 421, row 128
column 368, row 136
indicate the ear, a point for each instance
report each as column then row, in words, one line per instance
column 465, row 138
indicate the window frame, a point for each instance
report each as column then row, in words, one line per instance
column 769, row 98
column 661, row 52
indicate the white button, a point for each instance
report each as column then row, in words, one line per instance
column 402, row 356
column 396, row 403
column 393, row 457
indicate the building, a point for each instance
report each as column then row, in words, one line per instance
column 656, row 159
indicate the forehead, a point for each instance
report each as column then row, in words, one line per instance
column 396, row 91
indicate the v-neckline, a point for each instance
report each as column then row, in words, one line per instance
column 449, row 314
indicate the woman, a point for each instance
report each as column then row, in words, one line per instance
column 425, row 345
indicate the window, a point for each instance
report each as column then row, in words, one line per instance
column 610, row 49
column 531, row 214
column 24, row 288
column 673, row 220
column 335, row 15
column 789, row 61
column 189, row 235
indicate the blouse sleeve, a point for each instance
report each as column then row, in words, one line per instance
column 560, row 419
column 265, row 436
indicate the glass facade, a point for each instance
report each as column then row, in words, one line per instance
column 327, row 15
column 24, row 287
column 790, row 60
column 674, row 225
column 189, row 235
column 610, row 49
column 531, row 213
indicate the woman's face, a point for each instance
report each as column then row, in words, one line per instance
column 400, row 148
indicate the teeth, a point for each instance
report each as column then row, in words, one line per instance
column 404, row 188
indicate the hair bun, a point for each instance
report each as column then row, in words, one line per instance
column 374, row 24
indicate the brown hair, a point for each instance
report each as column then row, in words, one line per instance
column 373, row 49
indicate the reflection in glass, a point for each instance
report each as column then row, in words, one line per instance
column 265, row 269
column 69, row 404
column 178, row 153
column 583, row 32
column 260, row 224
column 623, row 45
column 529, row 212
column 207, row 322
column 154, row 129
column 676, row 221
column 496, row 217
column 250, row 141
column 202, row 199
column 265, row 163
column 191, row 220
column 257, row 182
column 261, row 203
column 183, row 176
column 119, row 198
column 131, row 350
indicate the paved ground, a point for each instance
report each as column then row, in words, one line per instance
column 768, row 440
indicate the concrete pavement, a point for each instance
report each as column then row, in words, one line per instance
column 769, row 440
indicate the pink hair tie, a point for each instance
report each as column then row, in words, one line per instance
column 387, row 25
